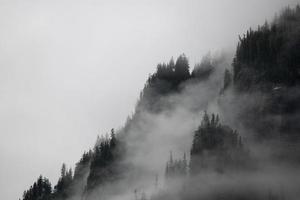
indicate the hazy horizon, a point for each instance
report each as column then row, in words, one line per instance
column 66, row 69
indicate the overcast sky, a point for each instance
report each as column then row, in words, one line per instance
column 73, row 69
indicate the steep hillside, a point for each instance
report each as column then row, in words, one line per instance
column 249, row 149
column 267, row 66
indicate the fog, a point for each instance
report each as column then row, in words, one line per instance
column 152, row 136
column 70, row 70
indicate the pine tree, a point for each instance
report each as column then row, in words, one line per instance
column 213, row 140
column 40, row 190
column 182, row 69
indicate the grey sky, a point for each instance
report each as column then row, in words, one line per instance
column 70, row 70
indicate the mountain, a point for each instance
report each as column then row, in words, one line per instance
column 233, row 125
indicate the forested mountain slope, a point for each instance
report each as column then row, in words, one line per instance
column 234, row 127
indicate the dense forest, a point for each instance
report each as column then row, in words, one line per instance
column 235, row 126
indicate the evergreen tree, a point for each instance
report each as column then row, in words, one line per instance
column 40, row 190
column 182, row 72
column 203, row 70
column 105, row 155
column 214, row 141
column 176, row 168
column 62, row 188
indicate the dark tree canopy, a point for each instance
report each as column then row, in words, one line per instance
column 204, row 69
column 105, row 155
column 83, row 163
column 214, row 140
column 270, row 56
column 267, row 61
column 182, row 67
column 167, row 79
column 40, row 190
column 62, row 187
